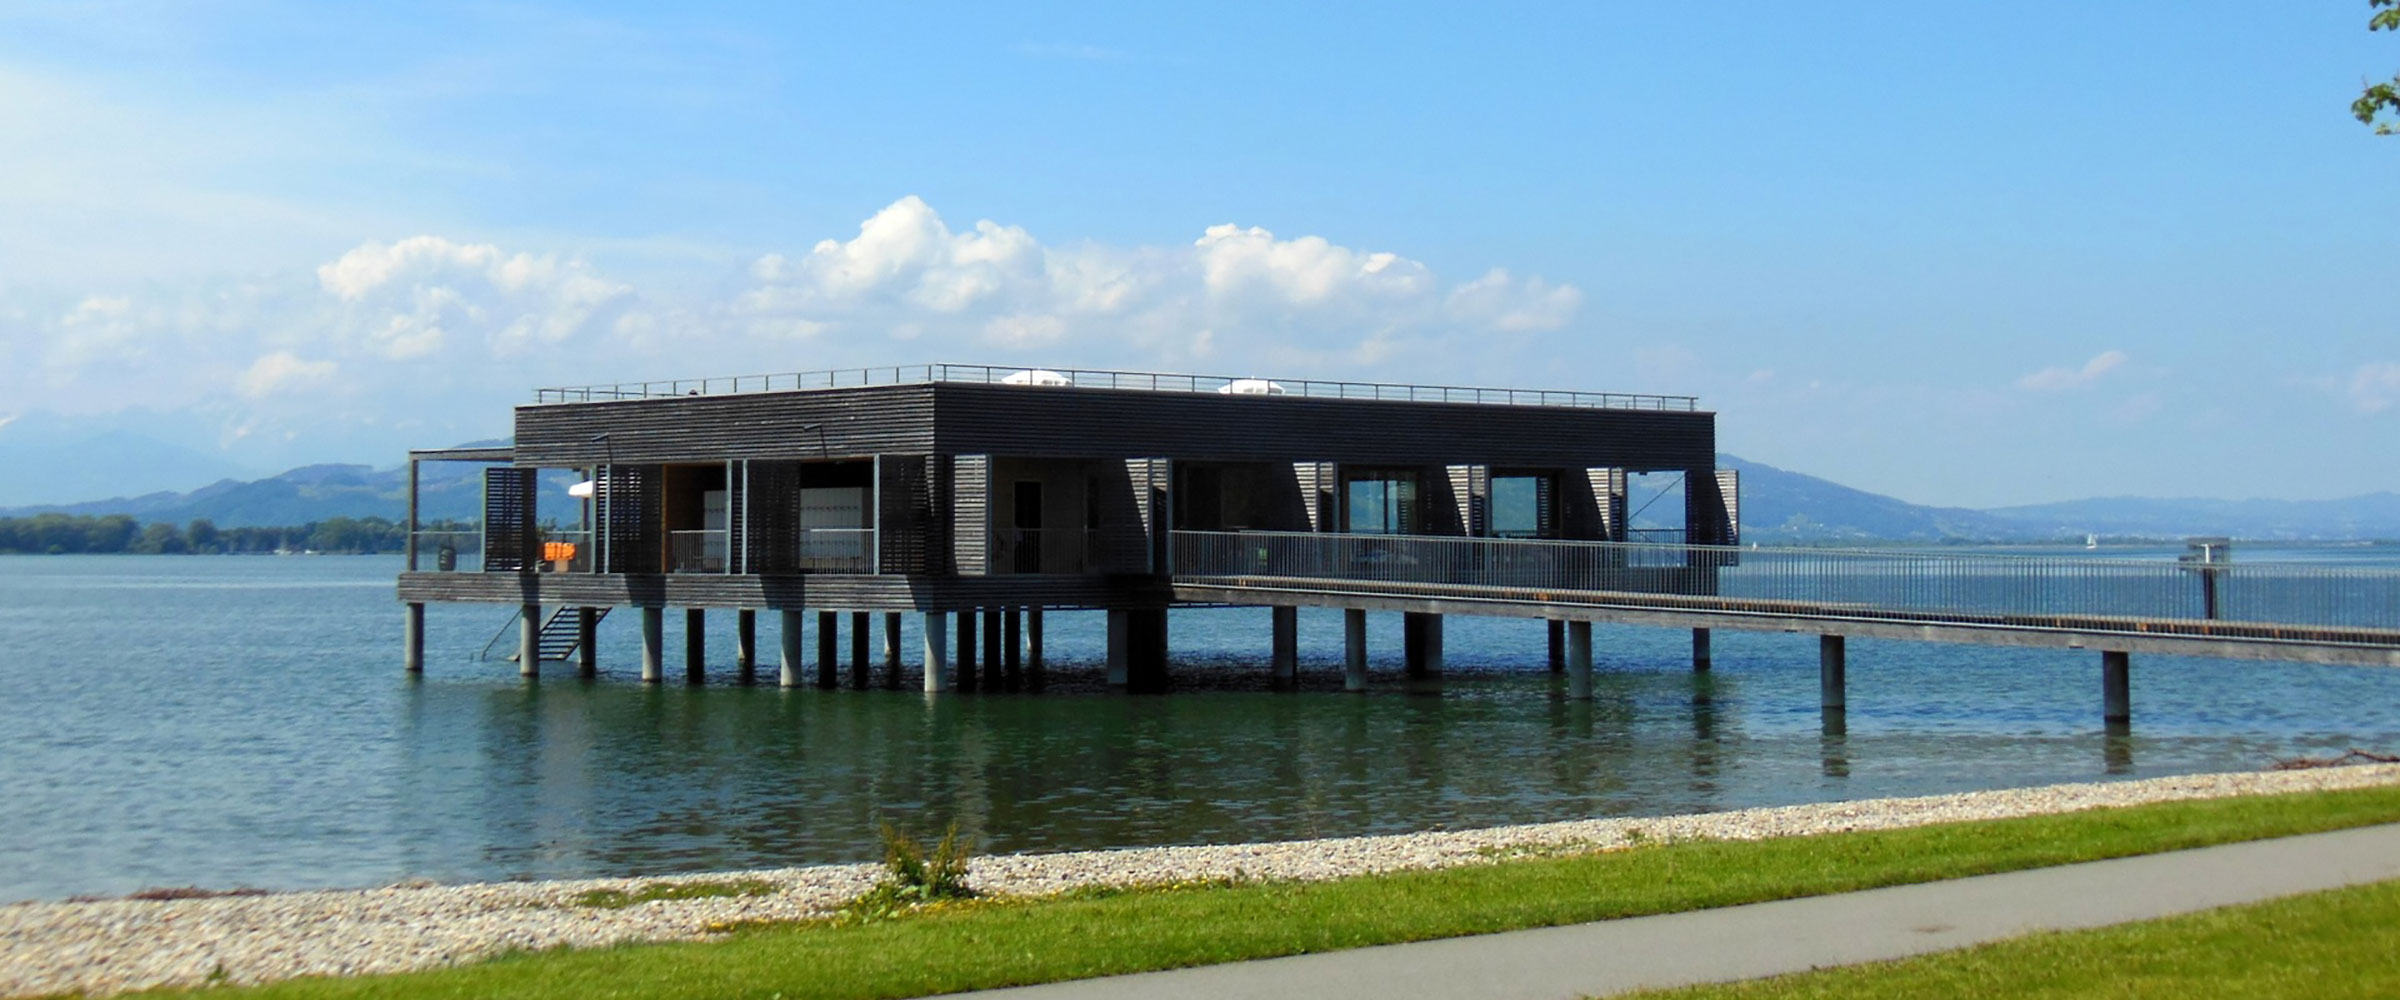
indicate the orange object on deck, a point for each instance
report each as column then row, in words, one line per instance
column 558, row 551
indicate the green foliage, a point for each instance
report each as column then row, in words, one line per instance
column 979, row 946
column 618, row 899
column 913, row 876
column 2378, row 98
column 59, row 534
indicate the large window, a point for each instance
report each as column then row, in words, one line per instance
column 1522, row 507
column 1381, row 504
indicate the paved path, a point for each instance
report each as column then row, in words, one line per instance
column 1763, row 939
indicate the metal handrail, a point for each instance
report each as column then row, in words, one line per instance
column 1861, row 580
column 1089, row 378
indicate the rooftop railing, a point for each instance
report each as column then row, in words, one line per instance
column 1083, row 378
column 1839, row 582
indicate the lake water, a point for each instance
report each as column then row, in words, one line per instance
column 226, row 721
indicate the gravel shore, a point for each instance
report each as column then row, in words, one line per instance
column 116, row 945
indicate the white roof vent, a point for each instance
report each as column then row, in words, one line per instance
column 1251, row 387
column 1035, row 376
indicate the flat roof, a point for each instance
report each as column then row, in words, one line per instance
column 1086, row 378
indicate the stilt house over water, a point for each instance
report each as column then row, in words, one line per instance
column 965, row 489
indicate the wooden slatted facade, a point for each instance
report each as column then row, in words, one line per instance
column 1086, row 480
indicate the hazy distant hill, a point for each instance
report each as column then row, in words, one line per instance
column 2374, row 515
column 1784, row 506
column 1778, row 507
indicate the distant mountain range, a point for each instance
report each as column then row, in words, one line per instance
column 1778, row 507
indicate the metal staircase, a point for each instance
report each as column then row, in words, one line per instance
column 559, row 640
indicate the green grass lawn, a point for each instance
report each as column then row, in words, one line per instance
column 989, row 945
column 2341, row 943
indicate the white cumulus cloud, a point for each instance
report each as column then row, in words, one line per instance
column 2057, row 379
column 282, row 371
column 408, row 299
column 2375, row 387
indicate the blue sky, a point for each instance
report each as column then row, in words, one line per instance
column 1963, row 254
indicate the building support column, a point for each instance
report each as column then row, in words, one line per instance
column 1701, row 655
column 993, row 678
column 1012, row 647
column 829, row 640
column 2116, row 686
column 529, row 640
column 695, row 645
column 860, row 622
column 787, row 647
column 654, row 645
column 1579, row 660
column 1558, row 644
column 412, row 638
column 745, row 645
column 1354, row 649
column 966, row 650
column 1120, row 636
column 1146, row 650
column 937, row 652
column 1034, row 670
column 587, row 642
column 891, row 650
column 1284, row 624
column 1421, row 650
column 1832, row 665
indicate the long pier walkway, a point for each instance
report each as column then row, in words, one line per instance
column 2300, row 612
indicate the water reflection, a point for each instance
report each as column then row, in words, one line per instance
column 2116, row 747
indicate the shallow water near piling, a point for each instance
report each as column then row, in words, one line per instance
column 224, row 721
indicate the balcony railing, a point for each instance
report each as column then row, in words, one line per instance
column 699, row 551
column 448, row 551
column 1861, row 581
column 837, row 550
column 1086, row 378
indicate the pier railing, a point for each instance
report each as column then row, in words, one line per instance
column 1089, row 378
column 1853, row 581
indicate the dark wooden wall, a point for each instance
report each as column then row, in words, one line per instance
column 957, row 418
column 1037, row 420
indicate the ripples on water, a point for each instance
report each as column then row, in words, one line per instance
column 244, row 721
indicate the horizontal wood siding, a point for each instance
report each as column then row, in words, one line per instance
column 851, row 423
column 971, row 514
column 1099, row 423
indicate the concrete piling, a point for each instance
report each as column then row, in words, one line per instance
column 1558, row 644
column 829, row 638
column 529, row 640
column 1832, row 666
column 412, row 639
column 1579, row 660
column 859, row 623
column 1421, row 651
column 937, row 652
column 1012, row 648
column 654, row 645
column 1284, row 623
column 2116, row 686
column 1120, row 629
column 1034, row 670
column 965, row 653
column 587, row 642
column 788, row 647
column 1701, row 655
column 993, row 669
column 745, row 645
column 695, row 645
column 891, row 650
column 1354, row 649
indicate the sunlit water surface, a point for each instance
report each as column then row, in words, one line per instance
column 225, row 721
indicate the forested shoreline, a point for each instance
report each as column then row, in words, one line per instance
column 123, row 534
